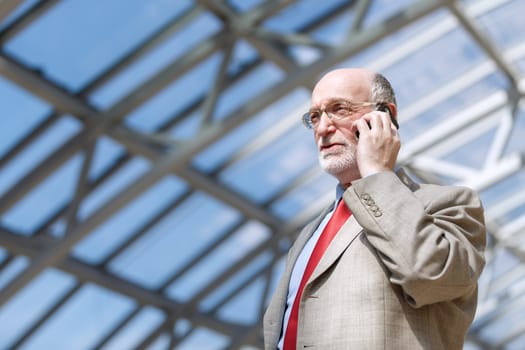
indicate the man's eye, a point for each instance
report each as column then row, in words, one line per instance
column 314, row 116
column 339, row 108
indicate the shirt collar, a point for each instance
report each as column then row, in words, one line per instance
column 339, row 190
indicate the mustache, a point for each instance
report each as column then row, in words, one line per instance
column 327, row 141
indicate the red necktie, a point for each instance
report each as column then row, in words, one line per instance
column 341, row 214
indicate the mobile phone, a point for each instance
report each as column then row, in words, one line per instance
column 386, row 109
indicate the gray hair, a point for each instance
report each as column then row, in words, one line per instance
column 381, row 90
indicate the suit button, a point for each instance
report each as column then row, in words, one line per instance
column 365, row 196
column 374, row 208
column 377, row 213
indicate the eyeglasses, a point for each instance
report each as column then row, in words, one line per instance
column 335, row 110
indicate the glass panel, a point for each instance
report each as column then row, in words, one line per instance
column 435, row 114
column 188, row 128
column 45, row 200
column 54, row 137
column 304, row 55
column 14, row 268
column 502, row 263
column 173, row 99
column 243, row 55
column 203, row 338
column 240, row 279
column 508, row 323
column 182, row 326
column 31, row 303
column 226, row 147
column 440, row 19
column 245, row 307
column 270, row 169
column 470, row 346
column 518, row 343
column 105, row 154
column 123, row 225
column 288, row 20
column 303, row 196
column 4, row 254
column 100, row 309
column 229, row 252
column 414, row 78
column 174, row 240
column 336, row 31
column 277, row 271
column 162, row 343
column 147, row 320
column 515, row 213
column 504, row 25
column 168, row 52
column 16, row 13
column 244, row 5
column 125, row 177
column 380, row 10
column 247, row 88
column 503, row 189
column 473, row 153
column 74, row 40
column 515, row 143
column 520, row 64
column 19, row 116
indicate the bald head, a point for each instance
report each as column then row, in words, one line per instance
column 347, row 83
column 356, row 85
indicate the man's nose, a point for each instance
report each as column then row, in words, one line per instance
column 326, row 123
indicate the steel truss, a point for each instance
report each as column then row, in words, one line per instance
column 423, row 155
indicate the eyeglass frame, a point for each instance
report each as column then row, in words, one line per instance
column 332, row 116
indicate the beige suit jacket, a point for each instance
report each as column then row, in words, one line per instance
column 400, row 274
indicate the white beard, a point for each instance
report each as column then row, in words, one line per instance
column 338, row 162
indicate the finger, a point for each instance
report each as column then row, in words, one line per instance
column 393, row 129
column 362, row 126
column 376, row 122
column 386, row 122
column 392, row 126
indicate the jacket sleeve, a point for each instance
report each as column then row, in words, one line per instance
column 430, row 238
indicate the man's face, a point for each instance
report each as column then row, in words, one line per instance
column 336, row 141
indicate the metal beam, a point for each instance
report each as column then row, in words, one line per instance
column 484, row 42
column 26, row 19
column 32, row 247
column 8, row 6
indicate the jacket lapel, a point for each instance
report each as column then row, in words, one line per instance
column 347, row 233
column 278, row 302
column 304, row 236
column 344, row 237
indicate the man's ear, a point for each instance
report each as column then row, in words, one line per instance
column 392, row 108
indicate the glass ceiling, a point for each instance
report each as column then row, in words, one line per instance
column 154, row 170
